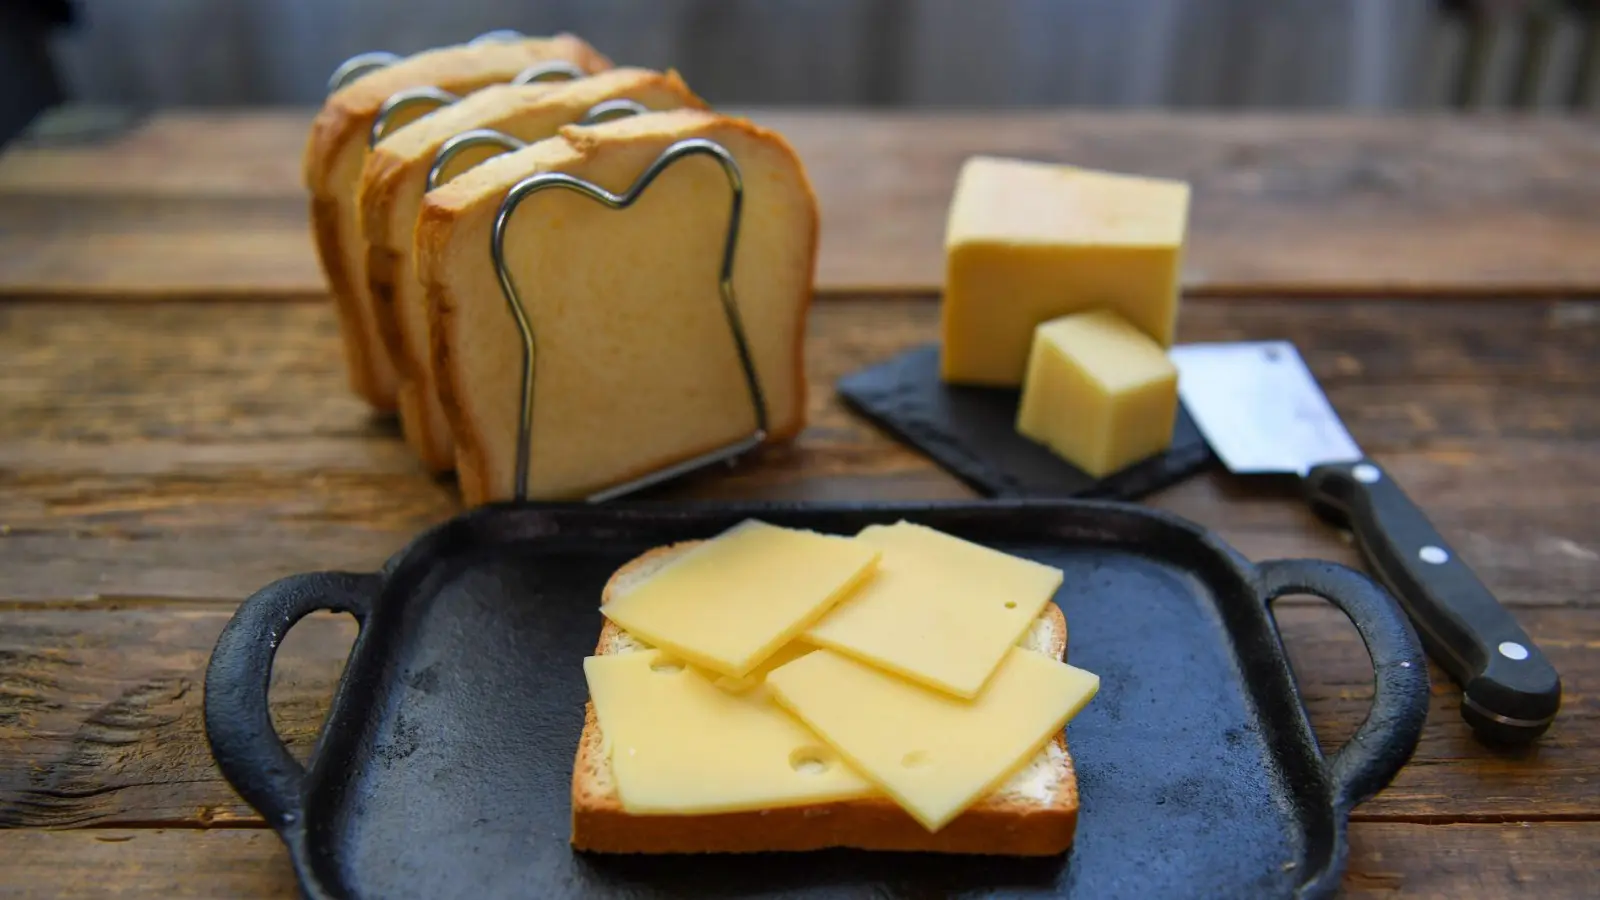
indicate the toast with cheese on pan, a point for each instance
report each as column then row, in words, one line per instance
column 636, row 368
column 392, row 186
column 337, row 148
column 832, row 796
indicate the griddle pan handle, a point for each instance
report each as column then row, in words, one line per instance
column 238, row 723
column 1384, row 742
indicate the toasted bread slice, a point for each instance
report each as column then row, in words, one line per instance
column 337, row 148
column 636, row 369
column 1035, row 813
column 395, row 178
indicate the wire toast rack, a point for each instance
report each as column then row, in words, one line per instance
column 433, row 98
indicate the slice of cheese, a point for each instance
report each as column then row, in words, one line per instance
column 933, row 753
column 941, row 611
column 679, row 745
column 756, row 679
column 730, row 602
column 1099, row 392
column 1026, row 242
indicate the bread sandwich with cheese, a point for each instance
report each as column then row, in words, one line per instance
column 337, row 148
column 636, row 368
column 1033, row 812
column 394, row 180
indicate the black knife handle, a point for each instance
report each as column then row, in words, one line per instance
column 1510, row 692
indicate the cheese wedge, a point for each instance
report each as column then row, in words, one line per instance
column 337, row 148
column 1027, row 242
column 636, row 367
column 395, row 178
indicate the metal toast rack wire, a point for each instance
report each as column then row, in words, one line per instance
column 730, row 308
column 357, row 66
column 433, row 97
column 489, row 137
column 604, row 112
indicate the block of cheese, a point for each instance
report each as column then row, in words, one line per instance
column 395, row 178
column 636, row 368
column 1026, row 242
column 337, row 148
column 941, row 611
column 934, row 753
column 678, row 745
column 700, row 605
column 1099, row 392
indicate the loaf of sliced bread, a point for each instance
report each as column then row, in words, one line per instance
column 1035, row 813
column 338, row 146
column 636, row 368
column 395, row 178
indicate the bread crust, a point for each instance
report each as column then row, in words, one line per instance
column 995, row 825
column 398, row 166
column 443, row 209
column 346, row 116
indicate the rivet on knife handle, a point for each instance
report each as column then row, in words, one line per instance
column 1510, row 692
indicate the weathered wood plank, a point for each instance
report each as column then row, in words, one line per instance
column 98, row 863
column 202, row 450
column 210, row 203
column 104, row 716
column 1552, row 861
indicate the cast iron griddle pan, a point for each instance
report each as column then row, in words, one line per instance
column 444, row 768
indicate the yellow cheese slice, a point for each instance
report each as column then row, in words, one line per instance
column 940, row 610
column 1026, row 242
column 933, row 753
column 679, row 745
column 757, row 677
column 730, row 602
column 1099, row 392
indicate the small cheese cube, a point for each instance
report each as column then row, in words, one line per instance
column 1026, row 242
column 1099, row 392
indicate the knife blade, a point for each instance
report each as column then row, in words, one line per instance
column 1261, row 411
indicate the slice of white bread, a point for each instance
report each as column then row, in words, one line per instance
column 337, row 148
column 636, row 367
column 395, row 178
column 1035, row 813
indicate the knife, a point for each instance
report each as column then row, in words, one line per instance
column 1261, row 411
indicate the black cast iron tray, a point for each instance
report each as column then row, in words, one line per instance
column 444, row 767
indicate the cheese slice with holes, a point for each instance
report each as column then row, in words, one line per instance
column 940, row 610
column 732, row 601
column 933, row 753
column 680, row 745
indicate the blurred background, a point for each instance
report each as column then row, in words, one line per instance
column 1313, row 54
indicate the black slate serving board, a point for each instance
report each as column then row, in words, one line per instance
column 971, row 431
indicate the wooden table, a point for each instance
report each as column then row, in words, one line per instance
column 165, row 457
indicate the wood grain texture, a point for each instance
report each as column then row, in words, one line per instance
column 159, row 461
column 204, row 449
column 209, row 204
column 1546, row 860
column 106, row 727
